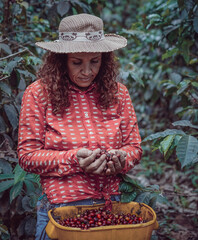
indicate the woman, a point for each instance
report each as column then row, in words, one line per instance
column 73, row 114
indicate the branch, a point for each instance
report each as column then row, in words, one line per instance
column 14, row 54
column 1, row 79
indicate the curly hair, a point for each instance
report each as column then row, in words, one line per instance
column 54, row 78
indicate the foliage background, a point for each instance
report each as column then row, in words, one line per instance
column 160, row 68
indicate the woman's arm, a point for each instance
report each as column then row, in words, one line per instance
column 131, row 139
column 31, row 139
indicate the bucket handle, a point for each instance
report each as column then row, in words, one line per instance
column 156, row 225
column 51, row 230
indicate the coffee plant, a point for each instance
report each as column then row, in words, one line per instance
column 159, row 66
column 163, row 61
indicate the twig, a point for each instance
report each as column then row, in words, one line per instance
column 3, row 40
column 25, row 30
column 178, row 193
column 1, row 79
column 14, row 54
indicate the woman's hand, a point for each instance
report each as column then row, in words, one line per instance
column 90, row 162
column 117, row 162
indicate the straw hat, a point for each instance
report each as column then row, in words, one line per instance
column 83, row 33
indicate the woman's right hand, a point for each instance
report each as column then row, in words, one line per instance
column 90, row 162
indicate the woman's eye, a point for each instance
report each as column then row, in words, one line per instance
column 76, row 63
column 95, row 61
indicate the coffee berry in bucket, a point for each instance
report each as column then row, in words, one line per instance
column 99, row 217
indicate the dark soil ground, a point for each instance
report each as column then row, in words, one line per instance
column 178, row 220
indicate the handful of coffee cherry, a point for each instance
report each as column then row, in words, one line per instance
column 108, row 157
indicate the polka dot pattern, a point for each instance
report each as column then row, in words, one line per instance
column 48, row 143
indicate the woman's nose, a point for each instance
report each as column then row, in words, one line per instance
column 86, row 70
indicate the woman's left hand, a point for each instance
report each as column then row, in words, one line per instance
column 117, row 163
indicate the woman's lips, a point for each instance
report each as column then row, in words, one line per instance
column 85, row 79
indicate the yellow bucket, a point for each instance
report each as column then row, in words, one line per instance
column 142, row 231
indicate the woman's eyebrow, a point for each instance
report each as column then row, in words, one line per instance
column 79, row 58
column 76, row 58
column 96, row 57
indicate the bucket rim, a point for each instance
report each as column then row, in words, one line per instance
column 126, row 226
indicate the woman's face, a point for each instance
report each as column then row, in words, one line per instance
column 83, row 67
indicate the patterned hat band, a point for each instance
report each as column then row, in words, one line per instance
column 81, row 36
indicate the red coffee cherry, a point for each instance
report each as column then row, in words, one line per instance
column 99, row 217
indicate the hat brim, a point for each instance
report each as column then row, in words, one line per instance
column 110, row 43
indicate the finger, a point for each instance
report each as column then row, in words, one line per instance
column 122, row 161
column 108, row 172
column 122, row 157
column 84, row 162
column 101, row 168
column 83, row 153
column 111, row 167
column 117, row 164
column 95, row 164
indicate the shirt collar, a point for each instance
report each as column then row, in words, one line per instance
column 90, row 88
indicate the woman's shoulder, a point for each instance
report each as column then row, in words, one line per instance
column 36, row 90
column 35, row 86
column 122, row 88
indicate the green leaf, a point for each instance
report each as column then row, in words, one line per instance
column 5, row 166
column 193, row 61
column 15, row 190
column 132, row 182
column 11, row 114
column 163, row 134
column 31, row 60
column 14, row 78
column 134, row 32
column 126, row 187
column 128, row 197
column 26, row 204
column 2, row 125
column 33, row 177
column 33, row 199
column 6, row 176
column 30, row 186
column 175, row 77
column 134, row 75
column 183, row 86
column 24, row 4
column 166, row 143
column 162, row 199
column 153, row 201
column 5, row 88
column 170, row 53
column 155, row 16
column 187, row 150
column 19, row 174
column 10, row 66
column 6, row 48
column 194, row 84
column 184, row 123
column 5, row 185
column 30, row 225
column 143, row 197
column 63, row 7
column 185, row 50
column 195, row 21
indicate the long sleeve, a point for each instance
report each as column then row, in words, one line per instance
column 33, row 157
column 130, row 133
